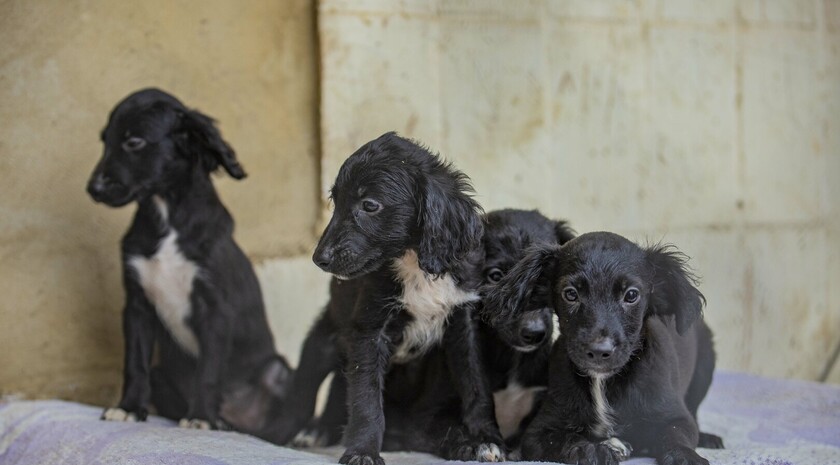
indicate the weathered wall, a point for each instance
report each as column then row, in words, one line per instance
column 63, row 65
column 713, row 125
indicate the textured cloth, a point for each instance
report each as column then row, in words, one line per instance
column 762, row 421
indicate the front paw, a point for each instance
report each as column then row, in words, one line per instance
column 197, row 423
column 587, row 453
column 710, row 441
column 682, row 456
column 351, row 458
column 119, row 414
column 622, row 448
column 483, row 452
column 313, row 436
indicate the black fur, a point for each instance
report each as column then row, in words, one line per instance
column 159, row 153
column 631, row 316
column 422, row 412
column 392, row 198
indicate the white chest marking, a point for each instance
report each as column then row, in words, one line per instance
column 603, row 426
column 167, row 280
column 513, row 404
column 429, row 301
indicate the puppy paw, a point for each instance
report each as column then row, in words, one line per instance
column 710, row 441
column 350, row 458
column 622, row 448
column 196, row 423
column 682, row 456
column 587, row 453
column 311, row 437
column 118, row 414
column 489, row 452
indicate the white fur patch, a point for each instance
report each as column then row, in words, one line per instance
column 118, row 414
column 488, row 452
column 167, row 280
column 622, row 448
column 513, row 404
column 603, row 426
column 429, row 301
column 194, row 424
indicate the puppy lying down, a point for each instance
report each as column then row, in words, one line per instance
column 634, row 358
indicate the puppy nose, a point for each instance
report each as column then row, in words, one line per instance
column 602, row 348
column 533, row 332
column 323, row 258
column 97, row 184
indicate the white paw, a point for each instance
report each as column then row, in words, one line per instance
column 118, row 414
column 622, row 448
column 194, row 424
column 309, row 438
column 489, row 453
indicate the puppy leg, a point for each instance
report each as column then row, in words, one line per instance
column 700, row 382
column 166, row 397
column 676, row 441
column 562, row 446
column 215, row 340
column 368, row 358
column 318, row 358
column 326, row 430
column 464, row 361
column 139, row 337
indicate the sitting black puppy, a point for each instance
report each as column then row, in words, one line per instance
column 188, row 285
column 633, row 360
column 422, row 412
column 404, row 245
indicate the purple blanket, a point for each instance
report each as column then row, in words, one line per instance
column 762, row 421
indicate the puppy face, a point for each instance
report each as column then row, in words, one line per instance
column 151, row 141
column 390, row 196
column 508, row 235
column 603, row 288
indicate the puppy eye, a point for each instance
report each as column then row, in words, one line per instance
column 631, row 296
column 371, row 206
column 570, row 294
column 494, row 275
column 132, row 144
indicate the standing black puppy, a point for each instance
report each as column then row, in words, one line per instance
column 633, row 361
column 188, row 285
column 404, row 246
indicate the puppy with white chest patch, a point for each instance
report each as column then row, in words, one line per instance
column 633, row 360
column 404, row 245
column 189, row 288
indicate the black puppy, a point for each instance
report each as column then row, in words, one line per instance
column 425, row 414
column 404, row 246
column 188, row 285
column 633, row 360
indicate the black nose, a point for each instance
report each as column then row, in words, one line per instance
column 533, row 332
column 601, row 348
column 97, row 185
column 323, row 258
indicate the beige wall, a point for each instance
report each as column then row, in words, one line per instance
column 63, row 65
column 713, row 125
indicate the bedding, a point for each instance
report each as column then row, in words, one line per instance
column 762, row 421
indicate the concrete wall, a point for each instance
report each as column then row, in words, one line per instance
column 63, row 65
column 713, row 125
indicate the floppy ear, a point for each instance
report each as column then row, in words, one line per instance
column 450, row 220
column 199, row 138
column 563, row 231
column 674, row 287
column 508, row 298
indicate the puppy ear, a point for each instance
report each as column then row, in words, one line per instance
column 199, row 138
column 563, row 231
column 508, row 298
column 450, row 220
column 674, row 287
